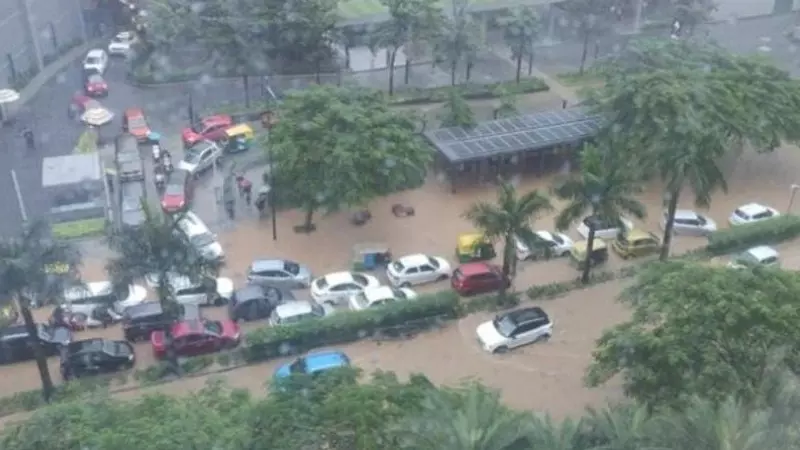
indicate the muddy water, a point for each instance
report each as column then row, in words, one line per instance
column 545, row 377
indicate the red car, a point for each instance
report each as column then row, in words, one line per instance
column 96, row 86
column 196, row 337
column 478, row 278
column 80, row 104
column 133, row 122
column 177, row 192
column 211, row 128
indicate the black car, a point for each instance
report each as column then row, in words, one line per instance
column 139, row 321
column 254, row 302
column 15, row 343
column 94, row 357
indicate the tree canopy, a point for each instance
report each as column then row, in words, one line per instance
column 336, row 147
column 702, row 331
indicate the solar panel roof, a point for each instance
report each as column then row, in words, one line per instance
column 520, row 133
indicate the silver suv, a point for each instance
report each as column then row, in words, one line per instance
column 280, row 273
column 200, row 156
column 207, row 292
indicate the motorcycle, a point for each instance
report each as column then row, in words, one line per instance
column 156, row 148
column 166, row 162
column 160, row 179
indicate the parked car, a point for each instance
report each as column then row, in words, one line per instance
column 134, row 122
column 84, row 299
column 379, row 296
column 603, row 229
column 763, row 256
column 197, row 337
column 200, row 157
column 690, row 223
column 81, row 103
column 417, row 269
column 751, row 213
column 633, row 243
column 95, row 86
column 15, row 342
column 100, row 316
column 477, row 278
column 337, row 287
column 96, row 60
column 279, row 273
column 178, row 192
column 121, row 43
column 558, row 244
column 297, row 311
column 210, row 128
column 130, row 165
column 139, row 321
column 131, row 198
column 205, row 291
column 513, row 329
column 91, row 357
column 313, row 363
column 254, row 302
column 199, row 236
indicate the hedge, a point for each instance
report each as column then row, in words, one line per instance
column 742, row 237
column 470, row 91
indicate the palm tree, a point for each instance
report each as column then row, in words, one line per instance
column 624, row 427
column 520, row 31
column 26, row 263
column 510, row 217
column 606, row 187
column 550, row 435
column 471, row 418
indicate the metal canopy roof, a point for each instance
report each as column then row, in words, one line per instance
column 521, row 133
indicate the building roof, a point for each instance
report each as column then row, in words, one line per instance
column 70, row 169
column 521, row 133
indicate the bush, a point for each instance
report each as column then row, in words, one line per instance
column 272, row 342
column 33, row 399
column 553, row 290
column 492, row 302
column 196, row 364
column 741, row 237
column 469, row 91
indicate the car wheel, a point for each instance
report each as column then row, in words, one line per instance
column 543, row 338
column 500, row 350
column 405, row 284
column 442, row 278
column 219, row 300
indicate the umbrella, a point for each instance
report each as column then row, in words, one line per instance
column 97, row 117
column 7, row 96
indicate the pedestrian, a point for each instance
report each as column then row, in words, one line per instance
column 248, row 192
column 230, row 208
column 27, row 134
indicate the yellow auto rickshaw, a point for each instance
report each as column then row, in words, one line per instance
column 239, row 138
column 474, row 247
column 577, row 255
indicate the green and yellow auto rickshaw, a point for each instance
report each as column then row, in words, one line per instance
column 474, row 247
column 577, row 255
column 238, row 139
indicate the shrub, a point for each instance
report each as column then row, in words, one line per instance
column 470, row 91
column 272, row 342
column 492, row 302
column 765, row 232
column 553, row 290
column 196, row 364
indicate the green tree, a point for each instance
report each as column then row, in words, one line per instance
column 507, row 219
column 299, row 32
column 349, row 37
column 169, row 25
column 621, row 427
column 457, row 40
column 456, row 112
column 27, row 263
column 742, row 317
column 606, row 187
column 520, row 32
column 470, row 418
column 550, row 435
column 337, row 147
column 691, row 13
column 695, row 104
column 594, row 19
column 508, row 105
column 407, row 19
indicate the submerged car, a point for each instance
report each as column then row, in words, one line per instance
column 633, row 243
column 417, row 269
column 556, row 244
column 197, row 337
column 201, row 156
column 313, row 363
column 763, row 255
column 690, row 223
column 95, row 357
column 210, row 128
column 751, row 213
column 298, row 311
column 379, row 296
column 337, row 287
column 514, row 329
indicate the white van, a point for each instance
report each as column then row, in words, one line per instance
column 199, row 236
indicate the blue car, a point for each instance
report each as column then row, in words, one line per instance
column 313, row 363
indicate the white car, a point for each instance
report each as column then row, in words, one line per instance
column 560, row 244
column 762, row 255
column 379, row 296
column 96, row 60
column 417, row 269
column 209, row 292
column 85, row 299
column 200, row 156
column 602, row 229
column 690, row 223
column 752, row 212
column 514, row 329
column 298, row 311
column 120, row 44
column 339, row 286
column 200, row 237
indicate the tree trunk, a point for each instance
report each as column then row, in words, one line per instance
column 519, row 66
column 453, row 67
column 169, row 308
column 347, row 56
column 584, row 52
column 392, row 57
column 530, row 62
column 670, row 224
column 407, row 74
column 469, row 69
column 246, row 84
column 587, row 261
column 41, row 361
column 317, row 70
column 309, row 217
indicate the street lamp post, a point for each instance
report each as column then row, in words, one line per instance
column 269, row 120
column 793, row 191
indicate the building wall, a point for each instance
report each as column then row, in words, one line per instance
column 33, row 32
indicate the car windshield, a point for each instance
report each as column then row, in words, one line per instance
column 399, row 294
column 92, row 60
column 504, row 325
column 597, row 223
column 622, row 238
column 398, row 266
column 741, row 214
column 95, row 79
column 362, row 300
column 173, row 189
column 291, row 267
column 322, row 283
column 112, row 348
column 131, row 205
column 136, row 122
column 701, row 220
column 298, row 366
column 213, row 327
column 199, row 127
column 557, row 239
column 433, row 262
column 361, row 280
column 192, row 156
column 747, row 259
column 202, row 239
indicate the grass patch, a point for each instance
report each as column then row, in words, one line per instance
column 578, row 79
column 79, row 228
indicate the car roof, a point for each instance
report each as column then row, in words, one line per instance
column 339, row 278
column 527, row 314
column 13, row 332
column 187, row 327
column 178, row 176
column 546, row 235
column 249, row 292
column 763, row 252
column 378, row 293
column 95, row 52
column 752, row 208
column 190, row 224
column 86, row 345
column 91, row 289
column 267, row 264
column 294, row 308
column 414, row 260
column 217, row 118
column 475, row 268
column 686, row 214
column 319, row 361
column 636, row 233
column 143, row 309
column 134, row 112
